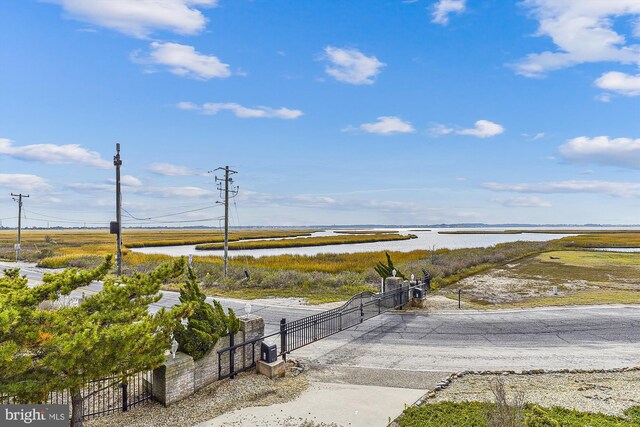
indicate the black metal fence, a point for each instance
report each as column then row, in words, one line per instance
column 104, row 396
column 361, row 307
column 302, row 332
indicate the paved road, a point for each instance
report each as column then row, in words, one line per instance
column 555, row 338
column 548, row 338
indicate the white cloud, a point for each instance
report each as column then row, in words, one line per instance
column 183, row 60
column 128, row 180
column 352, row 66
column 443, row 8
column 603, row 97
column 250, row 113
column 159, row 192
column 87, row 187
column 440, row 130
column 187, row 192
column 622, row 83
column 54, row 154
column 185, row 105
column 23, row 182
column 583, row 31
column 168, row 169
column 310, row 201
column 386, row 125
column 483, row 129
column 139, row 18
column 623, row 152
column 524, row 202
column 618, row 189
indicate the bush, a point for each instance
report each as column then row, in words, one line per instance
column 207, row 323
column 539, row 418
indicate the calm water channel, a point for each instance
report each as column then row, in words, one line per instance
column 426, row 240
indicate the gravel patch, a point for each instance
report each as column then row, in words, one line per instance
column 247, row 389
column 606, row 392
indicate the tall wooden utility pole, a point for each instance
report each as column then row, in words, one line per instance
column 117, row 163
column 19, row 200
column 226, row 189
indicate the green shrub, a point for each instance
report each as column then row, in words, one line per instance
column 539, row 418
column 207, row 323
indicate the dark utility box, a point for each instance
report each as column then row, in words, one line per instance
column 417, row 293
column 268, row 353
column 113, row 227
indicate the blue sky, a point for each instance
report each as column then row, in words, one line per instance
column 332, row 112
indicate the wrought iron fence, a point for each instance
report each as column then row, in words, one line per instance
column 361, row 307
column 104, row 396
column 302, row 332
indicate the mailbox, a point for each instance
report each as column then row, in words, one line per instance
column 268, row 353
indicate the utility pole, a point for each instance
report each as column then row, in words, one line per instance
column 226, row 189
column 19, row 200
column 117, row 163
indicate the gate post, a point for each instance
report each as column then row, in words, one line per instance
column 232, row 356
column 361, row 312
column 124, row 397
column 283, row 338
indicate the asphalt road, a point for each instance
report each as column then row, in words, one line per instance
column 594, row 337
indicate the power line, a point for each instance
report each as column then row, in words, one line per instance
column 59, row 219
column 167, row 215
column 184, row 221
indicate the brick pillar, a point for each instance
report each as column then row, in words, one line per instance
column 174, row 380
column 252, row 327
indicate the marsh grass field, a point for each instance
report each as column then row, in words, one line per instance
column 299, row 242
column 505, row 275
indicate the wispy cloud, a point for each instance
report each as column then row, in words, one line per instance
column 185, row 192
column 534, row 137
column 443, row 8
column 240, row 111
column 438, row 129
column 128, row 180
column 310, row 201
column 23, row 182
column 140, row 18
column 168, row 169
column 385, row 125
column 524, row 202
column 481, row 129
column 618, row 189
column 583, row 32
column 150, row 191
column 53, row 154
column 623, row 152
column 351, row 66
column 182, row 60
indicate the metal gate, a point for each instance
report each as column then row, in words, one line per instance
column 302, row 332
